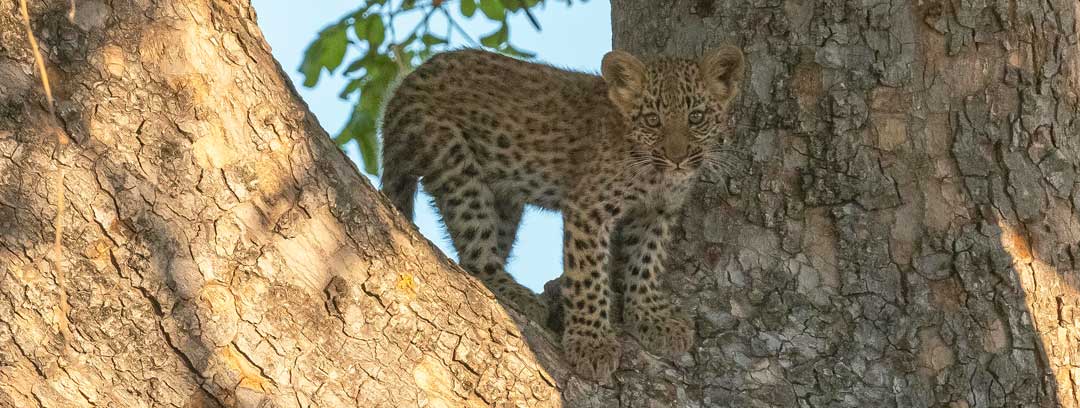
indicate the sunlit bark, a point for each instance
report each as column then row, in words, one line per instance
column 218, row 249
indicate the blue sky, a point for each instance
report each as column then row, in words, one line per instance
column 574, row 37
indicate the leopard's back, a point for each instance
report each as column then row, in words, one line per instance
column 527, row 125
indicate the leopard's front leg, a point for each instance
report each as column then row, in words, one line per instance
column 648, row 312
column 588, row 338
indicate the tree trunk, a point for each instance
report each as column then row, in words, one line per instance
column 905, row 231
column 217, row 248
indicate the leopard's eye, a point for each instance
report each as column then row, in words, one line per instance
column 696, row 117
column 652, row 119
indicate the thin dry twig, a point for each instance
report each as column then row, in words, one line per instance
column 61, row 140
column 40, row 62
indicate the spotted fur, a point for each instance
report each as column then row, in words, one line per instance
column 486, row 134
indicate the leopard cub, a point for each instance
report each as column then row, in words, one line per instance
column 487, row 134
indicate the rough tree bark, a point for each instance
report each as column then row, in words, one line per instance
column 218, row 249
column 906, row 231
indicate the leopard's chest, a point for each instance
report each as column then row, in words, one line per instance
column 651, row 191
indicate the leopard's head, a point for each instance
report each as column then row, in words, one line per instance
column 675, row 109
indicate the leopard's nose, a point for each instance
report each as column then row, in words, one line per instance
column 676, row 155
column 676, row 149
column 678, row 159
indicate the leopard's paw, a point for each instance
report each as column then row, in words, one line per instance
column 663, row 335
column 524, row 301
column 592, row 355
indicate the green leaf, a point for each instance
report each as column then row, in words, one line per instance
column 326, row 51
column 405, row 58
column 344, row 137
column 493, row 9
column 369, row 151
column 357, row 64
column 381, row 68
column 408, row 40
column 496, row 38
column 517, row 52
column 352, row 87
column 361, row 127
column 348, row 133
column 468, row 8
column 371, row 95
column 310, row 68
column 376, row 31
column 360, row 26
column 430, row 40
column 334, row 48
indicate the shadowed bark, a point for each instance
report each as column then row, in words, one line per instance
column 905, row 229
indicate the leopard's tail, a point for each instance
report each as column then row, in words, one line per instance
column 399, row 178
column 400, row 186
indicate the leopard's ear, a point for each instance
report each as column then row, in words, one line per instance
column 625, row 78
column 723, row 70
